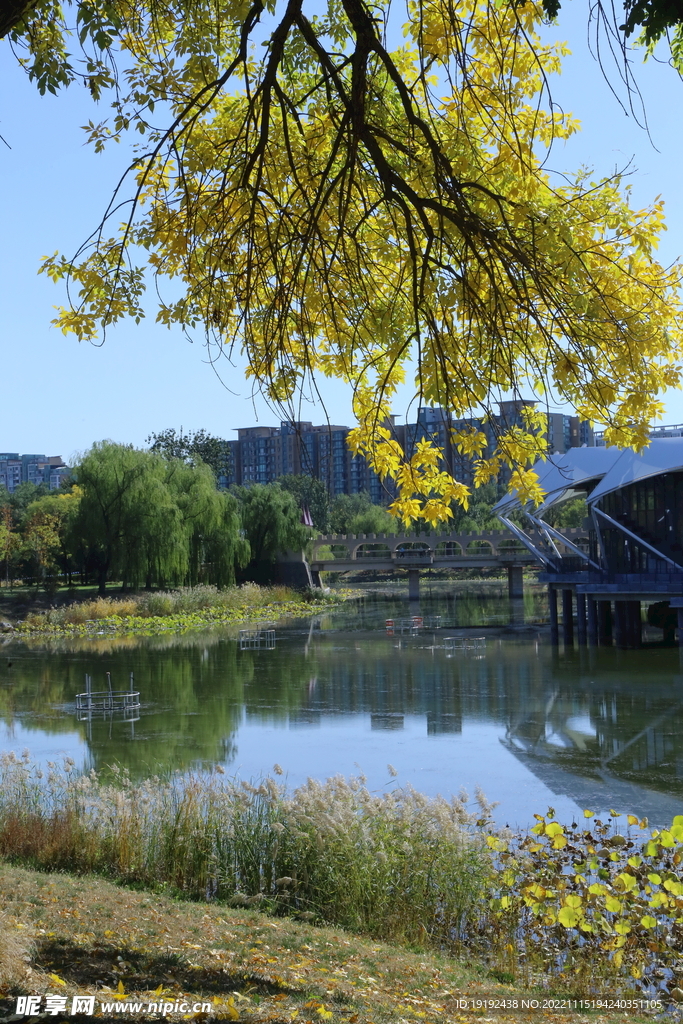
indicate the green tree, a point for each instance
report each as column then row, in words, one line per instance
column 310, row 494
column 48, row 534
column 272, row 525
column 146, row 519
column 193, row 447
column 570, row 514
column 355, row 513
column 211, row 523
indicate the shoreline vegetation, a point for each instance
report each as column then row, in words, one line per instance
column 182, row 609
column 582, row 911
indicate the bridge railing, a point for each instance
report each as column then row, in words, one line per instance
column 499, row 544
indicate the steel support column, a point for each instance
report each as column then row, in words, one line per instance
column 635, row 624
column 552, row 609
column 592, row 621
column 413, row 584
column 621, row 622
column 567, row 618
column 581, row 623
column 605, row 623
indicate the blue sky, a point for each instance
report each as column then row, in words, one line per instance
column 58, row 396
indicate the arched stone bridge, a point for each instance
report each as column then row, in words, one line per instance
column 414, row 551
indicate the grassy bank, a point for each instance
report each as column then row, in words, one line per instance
column 67, row 934
column 586, row 911
column 191, row 607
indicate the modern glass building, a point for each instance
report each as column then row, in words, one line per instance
column 633, row 551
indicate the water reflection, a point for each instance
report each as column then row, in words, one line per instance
column 530, row 726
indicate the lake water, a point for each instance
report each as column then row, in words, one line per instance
column 531, row 727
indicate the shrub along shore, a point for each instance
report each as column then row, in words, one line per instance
column 186, row 608
column 592, row 910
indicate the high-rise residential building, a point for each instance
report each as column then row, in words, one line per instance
column 18, row 469
column 262, row 454
column 564, row 432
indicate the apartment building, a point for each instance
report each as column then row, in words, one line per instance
column 564, row 432
column 18, row 469
column 262, row 454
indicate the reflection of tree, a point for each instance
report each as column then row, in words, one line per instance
column 180, row 723
column 622, row 724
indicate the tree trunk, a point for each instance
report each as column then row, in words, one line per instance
column 102, row 574
column 11, row 13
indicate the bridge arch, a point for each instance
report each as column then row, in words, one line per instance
column 510, row 546
column 372, row 550
column 480, row 547
column 448, row 549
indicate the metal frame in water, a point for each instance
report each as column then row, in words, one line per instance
column 257, row 639
column 105, row 702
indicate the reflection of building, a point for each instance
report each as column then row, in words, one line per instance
column 635, row 549
column 18, row 469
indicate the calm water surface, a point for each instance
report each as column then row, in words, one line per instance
column 530, row 727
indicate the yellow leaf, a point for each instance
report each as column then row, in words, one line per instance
column 589, row 814
column 553, row 828
column 120, row 989
column 57, row 979
column 233, row 1012
column 569, row 917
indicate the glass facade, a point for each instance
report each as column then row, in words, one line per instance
column 651, row 510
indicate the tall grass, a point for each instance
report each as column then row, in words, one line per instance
column 398, row 866
column 188, row 600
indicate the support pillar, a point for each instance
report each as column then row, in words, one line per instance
column 592, row 621
column 635, row 624
column 621, row 624
column 679, row 612
column 567, row 618
column 605, row 623
column 581, row 620
column 413, row 584
column 552, row 609
column 515, row 581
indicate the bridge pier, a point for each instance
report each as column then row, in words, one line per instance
column 581, row 619
column 567, row 618
column 413, row 584
column 605, row 623
column 592, row 623
column 515, row 581
column 552, row 608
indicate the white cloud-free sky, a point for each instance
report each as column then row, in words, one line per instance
column 58, row 396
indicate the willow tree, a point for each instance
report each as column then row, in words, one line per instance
column 271, row 521
column 149, row 520
column 332, row 199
